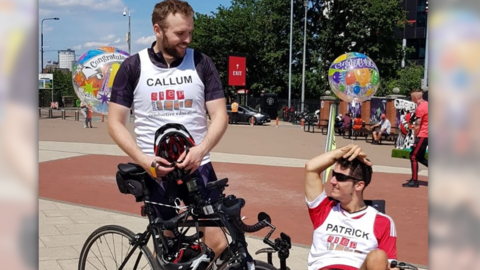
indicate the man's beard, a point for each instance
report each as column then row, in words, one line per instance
column 171, row 49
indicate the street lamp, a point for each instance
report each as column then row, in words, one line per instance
column 41, row 41
column 305, row 4
column 129, row 39
column 290, row 58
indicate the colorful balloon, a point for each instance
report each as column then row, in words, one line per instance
column 358, row 74
column 356, row 89
column 336, row 77
column 375, row 77
column 94, row 74
column 350, row 78
column 363, row 76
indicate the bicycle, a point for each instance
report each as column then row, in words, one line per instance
column 224, row 213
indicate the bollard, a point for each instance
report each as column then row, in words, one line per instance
column 103, row 118
column 50, row 113
column 77, row 116
column 302, row 123
column 40, row 112
column 64, row 116
column 252, row 120
column 276, row 123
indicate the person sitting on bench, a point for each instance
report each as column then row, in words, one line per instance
column 385, row 129
column 348, row 234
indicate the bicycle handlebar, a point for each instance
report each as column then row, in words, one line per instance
column 402, row 265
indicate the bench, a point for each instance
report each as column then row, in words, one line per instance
column 394, row 132
column 323, row 126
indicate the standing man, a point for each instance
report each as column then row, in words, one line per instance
column 385, row 128
column 170, row 83
column 420, row 131
column 234, row 112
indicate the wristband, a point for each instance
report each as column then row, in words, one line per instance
column 153, row 169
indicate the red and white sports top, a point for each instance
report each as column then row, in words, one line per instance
column 343, row 240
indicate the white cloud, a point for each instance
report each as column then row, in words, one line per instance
column 92, row 44
column 47, row 28
column 78, row 47
column 118, row 40
column 109, row 37
column 145, row 40
column 46, row 12
column 109, row 5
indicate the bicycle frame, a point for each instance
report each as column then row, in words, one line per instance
column 224, row 213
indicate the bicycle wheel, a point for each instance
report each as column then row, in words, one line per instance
column 107, row 248
column 259, row 265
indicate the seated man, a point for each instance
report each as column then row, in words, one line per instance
column 385, row 128
column 348, row 235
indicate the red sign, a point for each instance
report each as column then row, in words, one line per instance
column 237, row 70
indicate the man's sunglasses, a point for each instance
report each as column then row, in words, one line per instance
column 342, row 177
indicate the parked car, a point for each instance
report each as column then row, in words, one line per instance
column 245, row 114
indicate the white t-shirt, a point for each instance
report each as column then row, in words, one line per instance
column 386, row 125
column 343, row 240
column 174, row 95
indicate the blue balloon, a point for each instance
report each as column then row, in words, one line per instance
column 356, row 89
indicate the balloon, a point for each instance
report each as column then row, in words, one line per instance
column 356, row 89
column 363, row 76
column 94, row 74
column 375, row 77
column 350, row 78
column 336, row 77
column 358, row 74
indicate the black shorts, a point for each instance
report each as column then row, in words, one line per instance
column 159, row 192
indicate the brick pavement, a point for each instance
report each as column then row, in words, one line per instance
column 52, row 150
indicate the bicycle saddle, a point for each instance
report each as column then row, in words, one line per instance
column 218, row 184
column 130, row 168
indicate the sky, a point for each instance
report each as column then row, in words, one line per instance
column 87, row 24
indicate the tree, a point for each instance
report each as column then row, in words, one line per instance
column 364, row 26
column 260, row 29
column 409, row 78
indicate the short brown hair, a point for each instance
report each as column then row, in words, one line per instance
column 358, row 169
column 166, row 7
column 417, row 90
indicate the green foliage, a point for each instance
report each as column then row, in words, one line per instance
column 260, row 30
column 408, row 78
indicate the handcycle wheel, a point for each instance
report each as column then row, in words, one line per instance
column 259, row 265
column 107, row 248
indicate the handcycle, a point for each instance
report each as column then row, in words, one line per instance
column 223, row 213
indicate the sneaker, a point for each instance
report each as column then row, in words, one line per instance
column 411, row 184
column 84, row 126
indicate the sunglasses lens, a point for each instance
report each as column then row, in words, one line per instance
column 340, row 177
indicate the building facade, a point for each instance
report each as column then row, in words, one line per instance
column 66, row 59
column 415, row 32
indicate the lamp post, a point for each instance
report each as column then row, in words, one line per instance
column 425, row 74
column 129, row 38
column 41, row 39
column 290, row 58
column 305, row 4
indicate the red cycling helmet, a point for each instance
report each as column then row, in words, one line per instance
column 189, row 257
column 171, row 140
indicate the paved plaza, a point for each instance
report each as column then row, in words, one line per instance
column 264, row 164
